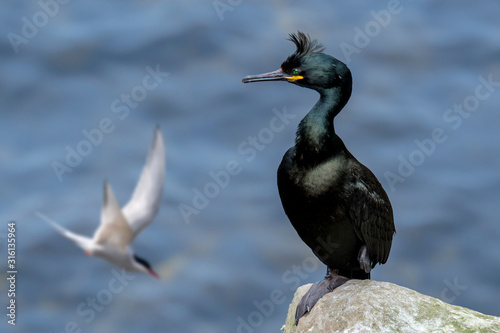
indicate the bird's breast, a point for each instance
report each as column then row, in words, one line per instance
column 314, row 181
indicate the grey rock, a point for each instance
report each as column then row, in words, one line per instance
column 373, row 306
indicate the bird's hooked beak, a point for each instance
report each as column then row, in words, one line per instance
column 277, row 75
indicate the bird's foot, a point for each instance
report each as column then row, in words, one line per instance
column 318, row 290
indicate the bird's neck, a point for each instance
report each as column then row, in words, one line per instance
column 316, row 138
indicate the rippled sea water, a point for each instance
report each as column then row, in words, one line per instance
column 421, row 117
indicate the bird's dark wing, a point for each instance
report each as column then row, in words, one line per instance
column 370, row 212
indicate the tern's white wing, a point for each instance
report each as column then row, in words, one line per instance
column 145, row 202
column 84, row 242
column 114, row 229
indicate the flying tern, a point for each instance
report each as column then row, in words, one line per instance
column 112, row 240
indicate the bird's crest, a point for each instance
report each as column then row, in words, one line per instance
column 304, row 46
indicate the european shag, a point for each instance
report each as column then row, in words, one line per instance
column 335, row 203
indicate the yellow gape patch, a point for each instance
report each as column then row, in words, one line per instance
column 294, row 78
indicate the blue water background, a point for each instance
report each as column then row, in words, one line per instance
column 235, row 266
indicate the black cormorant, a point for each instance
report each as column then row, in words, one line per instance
column 335, row 203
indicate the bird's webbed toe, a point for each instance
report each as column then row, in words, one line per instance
column 318, row 290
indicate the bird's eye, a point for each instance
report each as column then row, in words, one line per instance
column 295, row 71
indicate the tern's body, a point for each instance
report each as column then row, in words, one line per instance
column 112, row 240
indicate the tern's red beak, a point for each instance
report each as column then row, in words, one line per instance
column 153, row 273
column 87, row 253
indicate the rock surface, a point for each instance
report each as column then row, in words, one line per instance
column 372, row 306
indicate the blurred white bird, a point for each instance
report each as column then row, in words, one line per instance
column 112, row 240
